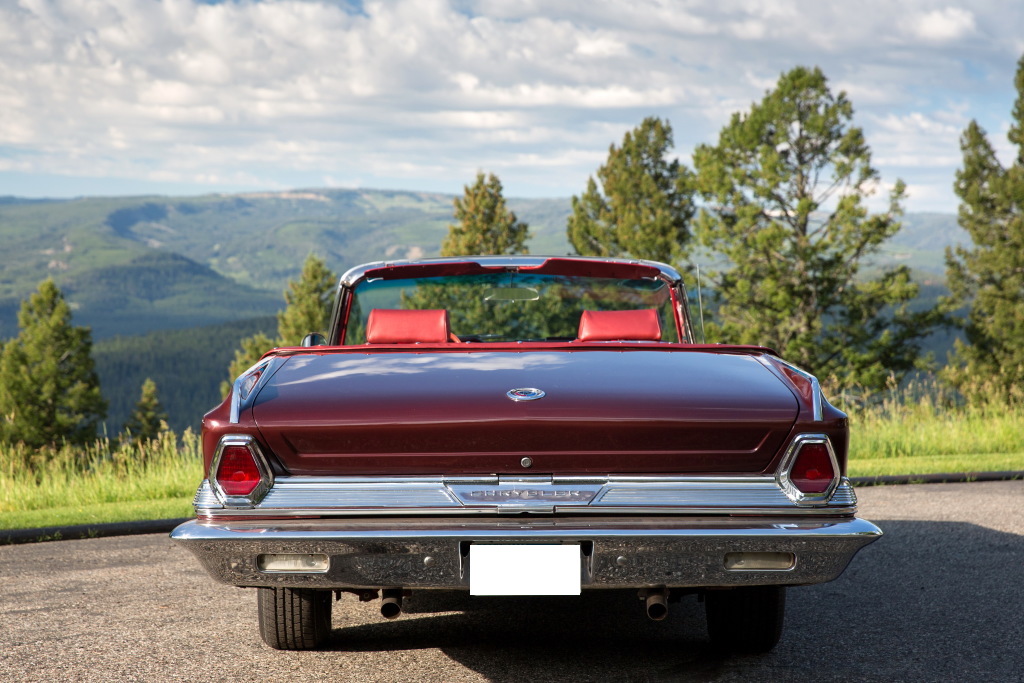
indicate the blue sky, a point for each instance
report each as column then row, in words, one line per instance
column 117, row 97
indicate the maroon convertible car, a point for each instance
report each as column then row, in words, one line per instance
column 523, row 426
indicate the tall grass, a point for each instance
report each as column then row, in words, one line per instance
column 924, row 428
column 108, row 471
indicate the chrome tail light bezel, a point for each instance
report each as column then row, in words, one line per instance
column 266, row 473
column 784, row 478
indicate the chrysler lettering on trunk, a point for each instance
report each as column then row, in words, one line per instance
column 517, row 494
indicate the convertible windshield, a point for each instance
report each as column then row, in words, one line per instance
column 512, row 306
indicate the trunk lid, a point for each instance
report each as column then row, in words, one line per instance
column 604, row 411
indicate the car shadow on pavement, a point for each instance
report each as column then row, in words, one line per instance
column 533, row 638
column 929, row 601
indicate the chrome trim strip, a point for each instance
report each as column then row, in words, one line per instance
column 432, row 495
column 205, row 498
column 817, row 398
column 354, row 275
column 844, row 495
column 748, row 494
column 241, row 398
column 314, row 496
column 624, row 553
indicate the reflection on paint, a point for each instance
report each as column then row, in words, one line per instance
column 365, row 364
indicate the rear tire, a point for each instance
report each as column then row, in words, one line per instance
column 294, row 618
column 746, row 620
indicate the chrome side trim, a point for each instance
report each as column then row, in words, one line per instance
column 844, row 495
column 205, row 498
column 623, row 552
column 817, row 398
column 243, row 393
column 432, row 495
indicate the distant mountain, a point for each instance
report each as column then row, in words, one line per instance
column 921, row 242
column 133, row 264
column 130, row 265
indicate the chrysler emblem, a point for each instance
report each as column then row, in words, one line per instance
column 528, row 394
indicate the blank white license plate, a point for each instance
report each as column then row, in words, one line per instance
column 524, row 569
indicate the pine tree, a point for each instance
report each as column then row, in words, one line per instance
column 49, row 391
column 485, row 225
column 148, row 418
column 989, row 275
column 644, row 206
column 307, row 303
column 784, row 190
column 307, row 309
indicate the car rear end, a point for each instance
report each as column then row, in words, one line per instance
column 541, row 466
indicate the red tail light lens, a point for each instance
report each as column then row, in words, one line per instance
column 238, row 474
column 812, row 471
column 809, row 473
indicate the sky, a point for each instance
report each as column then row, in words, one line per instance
column 130, row 97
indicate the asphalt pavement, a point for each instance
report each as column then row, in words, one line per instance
column 939, row 598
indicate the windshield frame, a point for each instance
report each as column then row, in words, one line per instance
column 566, row 266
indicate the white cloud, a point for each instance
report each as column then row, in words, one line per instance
column 419, row 91
column 600, row 46
column 943, row 25
column 918, row 139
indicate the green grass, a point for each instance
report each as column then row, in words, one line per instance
column 99, row 513
column 106, row 482
column 921, row 430
column 937, row 464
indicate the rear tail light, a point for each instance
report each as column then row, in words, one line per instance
column 238, row 474
column 809, row 471
column 812, row 470
column 241, row 476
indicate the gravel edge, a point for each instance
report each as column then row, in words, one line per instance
column 78, row 531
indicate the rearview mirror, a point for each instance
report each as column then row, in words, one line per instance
column 314, row 339
column 512, row 294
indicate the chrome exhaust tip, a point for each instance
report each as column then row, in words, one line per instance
column 655, row 603
column 391, row 603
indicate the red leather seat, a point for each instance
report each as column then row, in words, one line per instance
column 399, row 326
column 639, row 325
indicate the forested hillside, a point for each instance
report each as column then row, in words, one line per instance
column 187, row 366
column 170, row 285
column 131, row 265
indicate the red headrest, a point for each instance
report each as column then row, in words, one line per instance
column 388, row 326
column 640, row 325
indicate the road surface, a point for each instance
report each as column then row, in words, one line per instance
column 939, row 598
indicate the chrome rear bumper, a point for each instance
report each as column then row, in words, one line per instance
column 616, row 552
